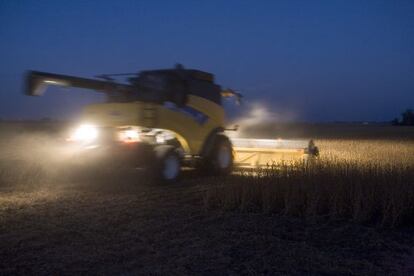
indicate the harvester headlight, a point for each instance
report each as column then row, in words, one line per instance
column 160, row 139
column 129, row 136
column 85, row 133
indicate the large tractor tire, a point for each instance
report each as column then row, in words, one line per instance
column 167, row 164
column 219, row 159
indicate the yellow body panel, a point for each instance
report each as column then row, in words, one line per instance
column 190, row 132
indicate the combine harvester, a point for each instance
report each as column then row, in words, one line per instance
column 163, row 120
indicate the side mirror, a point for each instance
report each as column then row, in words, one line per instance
column 227, row 93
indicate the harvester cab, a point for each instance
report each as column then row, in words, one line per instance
column 162, row 120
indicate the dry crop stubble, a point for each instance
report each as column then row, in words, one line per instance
column 360, row 180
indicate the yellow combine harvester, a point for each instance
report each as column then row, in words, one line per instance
column 162, row 120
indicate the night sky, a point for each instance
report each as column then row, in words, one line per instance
column 307, row 60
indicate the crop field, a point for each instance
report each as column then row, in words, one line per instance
column 374, row 187
column 349, row 212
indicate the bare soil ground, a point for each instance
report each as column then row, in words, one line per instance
column 122, row 224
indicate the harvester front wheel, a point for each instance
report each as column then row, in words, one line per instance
column 168, row 164
column 219, row 161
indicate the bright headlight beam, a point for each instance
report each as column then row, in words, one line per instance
column 129, row 136
column 85, row 133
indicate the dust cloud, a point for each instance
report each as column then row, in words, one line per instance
column 28, row 157
column 258, row 114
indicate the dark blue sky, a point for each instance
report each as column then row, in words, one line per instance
column 320, row 60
